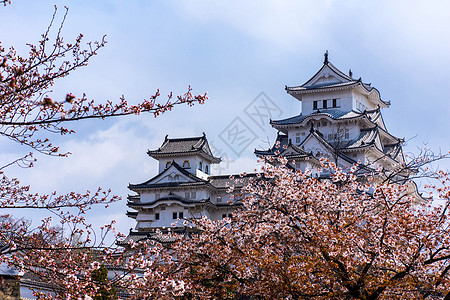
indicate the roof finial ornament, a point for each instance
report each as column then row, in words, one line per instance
column 350, row 73
column 325, row 60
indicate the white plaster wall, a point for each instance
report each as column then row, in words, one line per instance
column 344, row 100
column 194, row 162
column 218, row 214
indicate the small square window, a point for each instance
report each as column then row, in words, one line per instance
column 334, row 102
column 346, row 136
column 297, row 140
column 156, row 216
column 224, row 216
column 315, row 104
column 187, row 195
column 180, row 215
column 193, row 195
column 325, row 103
column 174, row 215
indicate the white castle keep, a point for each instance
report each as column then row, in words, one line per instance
column 340, row 120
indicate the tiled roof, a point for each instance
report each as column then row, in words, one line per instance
column 333, row 69
column 195, row 180
column 132, row 214
column 333, row 113
column 167, row 185
column 213, row 181
column 162, row 236
column 184, row 146
column 237, row 181
column 393, row 150
column 342, row 81
column 366, row 138
column 283, row 147
column 167, row 198
column 321, row 86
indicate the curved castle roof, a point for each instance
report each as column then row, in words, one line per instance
column 183, row 147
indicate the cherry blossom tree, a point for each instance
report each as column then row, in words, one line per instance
column 29, row 115
column 351, row 236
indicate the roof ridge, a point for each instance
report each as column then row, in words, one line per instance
column 186, row 138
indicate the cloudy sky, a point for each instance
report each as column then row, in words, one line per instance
column 240, row 52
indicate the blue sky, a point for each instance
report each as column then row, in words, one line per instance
column 234, row 50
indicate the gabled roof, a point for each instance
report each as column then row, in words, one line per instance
column 184, row 146
column 395, row 151
column 193, row 180
column 331, row 78
column 315, row 134
column 328, row 70
column 285, row 148
column 367, row 137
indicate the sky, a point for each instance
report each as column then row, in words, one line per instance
column 242, row 53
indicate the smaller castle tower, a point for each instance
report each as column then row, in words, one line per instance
column 183, row 189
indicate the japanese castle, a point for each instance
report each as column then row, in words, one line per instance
column 340, row 120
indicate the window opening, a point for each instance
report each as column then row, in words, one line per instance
column 186, row 164
column 156, row 216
